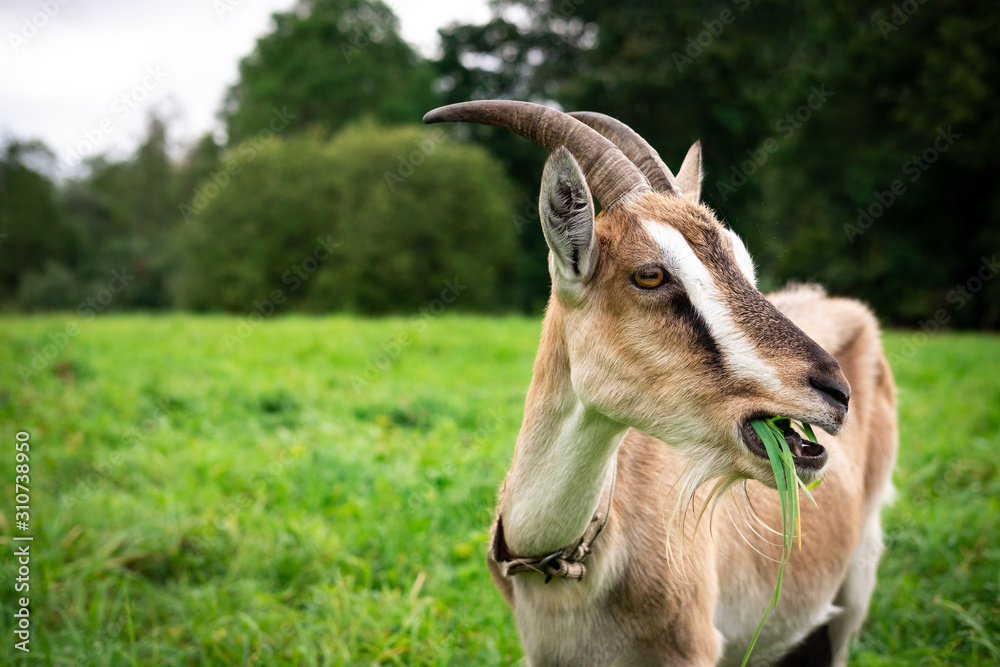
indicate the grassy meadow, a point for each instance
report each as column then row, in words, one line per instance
column 316, row 491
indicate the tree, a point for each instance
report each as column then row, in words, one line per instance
column 325, row 63
column 505, row 59
column 125, row 214
column 376, row 220
column 153, row 187
column 198, row 164
column 32, row 230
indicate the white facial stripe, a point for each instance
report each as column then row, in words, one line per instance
column 743, row 257
column 706, row 298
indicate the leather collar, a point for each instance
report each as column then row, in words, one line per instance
column 565, row 563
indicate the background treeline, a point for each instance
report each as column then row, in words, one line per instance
column 853, row 144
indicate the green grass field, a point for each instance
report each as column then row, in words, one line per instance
column 317, row 491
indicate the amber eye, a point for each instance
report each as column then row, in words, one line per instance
column 649, row 277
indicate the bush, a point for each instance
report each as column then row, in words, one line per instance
column 55, row 287
column 377, row 220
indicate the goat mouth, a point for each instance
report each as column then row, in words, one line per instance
column 808, row 455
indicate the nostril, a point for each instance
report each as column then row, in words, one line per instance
column 833, row 390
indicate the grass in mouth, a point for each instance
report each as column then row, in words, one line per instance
column 788, row 485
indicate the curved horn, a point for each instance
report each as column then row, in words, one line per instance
column 635, row 149
column 610, row 175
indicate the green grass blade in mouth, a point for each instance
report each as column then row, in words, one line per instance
column 808, row 430
column 783, row 465
column 808, row 491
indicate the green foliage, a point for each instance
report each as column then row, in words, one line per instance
column 783, row 466
column 115, row 220
column 464, row 75
column 376, row 220
column 32, row 230
column 54, row 287
column 193, row 504
column 911, row 100
column 327, row 62
column 199, row 163
column 152, row 184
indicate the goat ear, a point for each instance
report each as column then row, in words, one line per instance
column 567, row 212
column 689, row 177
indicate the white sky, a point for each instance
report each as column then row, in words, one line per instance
column 82, row 75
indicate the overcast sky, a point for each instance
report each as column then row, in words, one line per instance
column 82, row 74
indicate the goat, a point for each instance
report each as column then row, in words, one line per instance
column 656, row 352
